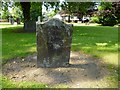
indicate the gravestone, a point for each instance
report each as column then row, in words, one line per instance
column 30, row 26
column 54, row 39
column 11, row 20
column 18, row 20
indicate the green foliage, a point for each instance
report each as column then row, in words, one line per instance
column 105, row 6
column 4, row 10
column 94, row 19
column 51, row 14
column 72, row 7
column 35, row 10
column 107, row 16
column 108, row 19
column 17, row 12
column 54, row 5
column 5, row 14
column 80, row 8
column 116, row 6
column 24, row 43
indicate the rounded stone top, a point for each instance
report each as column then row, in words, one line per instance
column 55, row 22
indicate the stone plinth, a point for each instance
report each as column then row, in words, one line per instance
column 54, row 39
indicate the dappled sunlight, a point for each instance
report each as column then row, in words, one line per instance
column 101, row 44
column 83, row 24
column 7, row 25
column 75, row 44
column 32, row 49
column 86, row 47
column 109, row 49
column 83, row 34
column 111, row 58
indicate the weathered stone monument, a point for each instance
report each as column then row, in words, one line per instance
column 54, row 39
column 18, row 21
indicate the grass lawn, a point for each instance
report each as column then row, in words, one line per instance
column 99, row 41
column 17, row 44
column 7, row 83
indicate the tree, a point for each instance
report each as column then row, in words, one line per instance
column 5, row 10
column 31, row 10
column 17, row 12
column 26, row 6
column 116, row 6
column 36, row 10
column 26, row 10
column 11, row 9
column 108, row 14
column 76, row 7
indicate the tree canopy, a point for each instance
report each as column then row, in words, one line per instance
column 109, row 15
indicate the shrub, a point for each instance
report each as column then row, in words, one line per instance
column 95, row 19
column 109, row 14
column 107, row 18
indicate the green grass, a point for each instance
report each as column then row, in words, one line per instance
column 98, row 41
column 17, row 44
column 7, row 25
column 7, row 83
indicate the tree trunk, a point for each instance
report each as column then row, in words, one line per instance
column 29, row 26
column 69, row 18
column 26, row 10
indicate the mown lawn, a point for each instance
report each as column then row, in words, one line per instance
column 99, row 41
column 17, row 44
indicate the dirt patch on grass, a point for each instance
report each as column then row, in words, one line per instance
column 84, row 71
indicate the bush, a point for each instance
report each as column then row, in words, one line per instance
column 109, row 14
column 107, row 18
column 94, row 19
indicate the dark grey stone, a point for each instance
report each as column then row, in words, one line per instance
column 54, row 39
column 18, row 20
column 30, row 26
